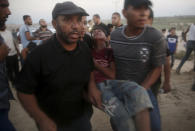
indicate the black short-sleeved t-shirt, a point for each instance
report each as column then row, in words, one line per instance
column 57, row 78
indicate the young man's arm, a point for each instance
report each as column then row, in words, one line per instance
column 152, row 77
column 108, row 71
column 4, row 50
column 167, row 72
column 29, row 37
column 93, row 93
column 29, row 103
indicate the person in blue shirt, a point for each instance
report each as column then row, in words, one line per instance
column 172, row 40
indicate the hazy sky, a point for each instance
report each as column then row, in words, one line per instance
column 42, row 8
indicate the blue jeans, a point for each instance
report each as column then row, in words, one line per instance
column 121, row 101
column 5, row 124
column 190, row 48
column 155, row 120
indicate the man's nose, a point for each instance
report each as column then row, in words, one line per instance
column 8, row 12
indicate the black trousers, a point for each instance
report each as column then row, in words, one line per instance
column 12, row 67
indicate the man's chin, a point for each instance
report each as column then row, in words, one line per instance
column 2, row 24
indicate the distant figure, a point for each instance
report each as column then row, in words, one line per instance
column 164, row 32
column 110, row 27
column 172, row 40
column 43, row 32
column 97, row 21
column 85, row 37
column 26, row 36
column 190, row 48
column 89, row 25
column 116, row 20
column 167, row 71
column 12, row 58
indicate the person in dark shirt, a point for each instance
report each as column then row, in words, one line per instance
column 97, row 21
column 167, row 71
column 116, row 20
column 139, row 52
column 86, row 38
column 55, row 75
column 5, row 92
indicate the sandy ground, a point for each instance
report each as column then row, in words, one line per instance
column 177, row 107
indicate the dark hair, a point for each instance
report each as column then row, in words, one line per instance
column 129, row 2
column 163, row 30
column 25, row 17
column 97, row 16
column 109, row 26
column 151, row 16
column 116, row 13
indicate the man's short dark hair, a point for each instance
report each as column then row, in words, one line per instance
column 25, row 17
column 97, row 16
column 163, row 30
column 151, row 15
column 136, row 3
column 116, row 13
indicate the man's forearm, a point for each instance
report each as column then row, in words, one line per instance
column 152, row 77
column 167, row 69
column 29, row 103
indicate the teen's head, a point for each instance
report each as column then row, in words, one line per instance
column 136, row 12
column 116, row 19
column 27, row 19
column 99, row 35
column 150, row 16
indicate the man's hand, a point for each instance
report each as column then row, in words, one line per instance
column 95, row 97
column 4, row 50
column 166, row 87
column 47, row 124
column 24, row 53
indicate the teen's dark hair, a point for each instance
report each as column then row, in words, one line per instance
column 163, row 30
column 128, row 2
column 25, row 17
column 116, row 13
column 151, row 16
column 97, row 16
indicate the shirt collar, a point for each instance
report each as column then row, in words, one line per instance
column 63, row 50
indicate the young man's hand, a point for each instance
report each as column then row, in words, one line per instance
column 166, row 87
column 4, row 50
column 47, row 124
column 95, row 97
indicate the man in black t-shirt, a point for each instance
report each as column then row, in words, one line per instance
column 116, row 20
column 97, row 21
column 55, row 75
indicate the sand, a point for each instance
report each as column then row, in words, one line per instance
column 177, row 107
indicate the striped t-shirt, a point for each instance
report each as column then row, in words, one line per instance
column 136, row 56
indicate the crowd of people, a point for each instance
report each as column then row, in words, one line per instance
column 115, row 67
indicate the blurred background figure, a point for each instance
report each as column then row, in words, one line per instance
column 43, row 33
column 172, row 40
column 12, row 58
column 116, row 20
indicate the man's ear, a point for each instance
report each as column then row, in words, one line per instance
column 54, row 23
column 124, row 11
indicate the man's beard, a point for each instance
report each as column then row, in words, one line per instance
column 44, row 26
column 64, row 36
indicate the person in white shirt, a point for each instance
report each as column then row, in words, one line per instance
column 190, row 48
column 12, row 58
